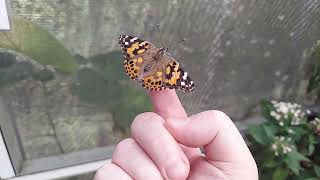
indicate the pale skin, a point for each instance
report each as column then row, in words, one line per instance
column 165, row 145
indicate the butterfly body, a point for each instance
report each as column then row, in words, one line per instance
column 152, row 66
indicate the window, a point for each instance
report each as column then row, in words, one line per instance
column 66, row 101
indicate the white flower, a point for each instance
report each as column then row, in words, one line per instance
column 273, row 114
column 282, row 145
column 290, row 131
column 283, row 110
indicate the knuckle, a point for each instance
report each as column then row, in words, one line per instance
column 221, row 117
column 122, row 147
column 102, row 171
column 142, row 120
column 219, row 114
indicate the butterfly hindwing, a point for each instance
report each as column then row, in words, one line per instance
column 153, row 82
column 132, row 67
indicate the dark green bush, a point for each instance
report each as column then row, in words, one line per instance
column 287, row 145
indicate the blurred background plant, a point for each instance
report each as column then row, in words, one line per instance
column 313, row 70
column 99, row 80
column 287, row 144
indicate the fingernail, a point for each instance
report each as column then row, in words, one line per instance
column 177, row 170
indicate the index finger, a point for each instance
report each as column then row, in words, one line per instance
column 167, row 104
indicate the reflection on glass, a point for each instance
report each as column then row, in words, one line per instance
column 61, row 101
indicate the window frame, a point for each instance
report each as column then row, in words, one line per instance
column 4, row 17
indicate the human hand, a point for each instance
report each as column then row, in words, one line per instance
column 165, row 145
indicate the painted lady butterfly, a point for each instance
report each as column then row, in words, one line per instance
column 152, row 67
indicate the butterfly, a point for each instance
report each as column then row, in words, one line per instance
column 152, row 66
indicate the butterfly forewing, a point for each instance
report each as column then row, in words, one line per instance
column 136, row 52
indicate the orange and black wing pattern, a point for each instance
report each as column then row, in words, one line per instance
column 133, row 50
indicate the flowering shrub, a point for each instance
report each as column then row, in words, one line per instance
column 287, row 145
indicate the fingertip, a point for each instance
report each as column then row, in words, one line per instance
column 111, row 171
column 166, row 103
column 194, row 131
column 178, row 170
column 199, row 129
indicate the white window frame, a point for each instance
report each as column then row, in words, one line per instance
column 4, row 18
column 6, row 168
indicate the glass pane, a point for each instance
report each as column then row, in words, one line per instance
column 66, row 93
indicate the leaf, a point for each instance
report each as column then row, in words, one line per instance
column 258, row 134
column 38, row 44
column 266, row 107
column 317, row 170
column 314, row 81
column 270, row 130
column 270, row 162
column 311, row 142
column 293, row 159
column 280, row 174
column 299, row 132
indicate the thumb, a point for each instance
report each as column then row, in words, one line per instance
column 212, row 130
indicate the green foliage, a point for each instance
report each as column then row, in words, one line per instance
column 38, row 44
column 262, row 134
column 133, row 102
column 12, row 71
column 314, row 81
column 110, row 66
column 280, row 174
column 91, row 87
column 105, row 83
column 293, row 159
column 317, row 170
column 284, row 146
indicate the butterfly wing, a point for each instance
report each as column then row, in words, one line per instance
column 154, row 81
column 165, row 73
column 175, row 77
column 136, row 51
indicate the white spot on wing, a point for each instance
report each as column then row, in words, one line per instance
column 185, row 75
column 133, row 39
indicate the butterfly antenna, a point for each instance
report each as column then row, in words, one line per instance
column 184, row 39
column 160, row 38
